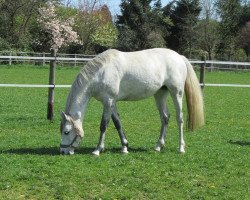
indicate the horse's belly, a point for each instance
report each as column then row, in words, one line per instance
column 137, row 90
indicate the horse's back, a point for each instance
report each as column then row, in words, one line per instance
column 138, row 75
column 157, row 63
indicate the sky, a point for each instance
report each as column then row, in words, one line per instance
column 114, row 5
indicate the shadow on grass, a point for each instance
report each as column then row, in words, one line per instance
column 130, row 150
column 241, row 143
column 54, row 151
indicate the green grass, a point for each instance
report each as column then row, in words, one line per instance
column 215, row 166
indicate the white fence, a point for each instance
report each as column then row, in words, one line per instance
column 52, row 85
column 43, row 58
column 68, row 86
column 76, row 59
column 223, row 65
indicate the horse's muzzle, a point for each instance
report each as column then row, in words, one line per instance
column 67, row 151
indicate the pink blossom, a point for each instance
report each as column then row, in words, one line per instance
column 61, row 32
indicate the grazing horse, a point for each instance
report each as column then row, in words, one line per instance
column 127, row 76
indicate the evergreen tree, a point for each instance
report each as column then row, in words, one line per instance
column 244, row 36
column 184, row 15
column 229, row 12
column 140, row 25
column 245, row 14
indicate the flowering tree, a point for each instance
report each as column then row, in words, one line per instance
column 60, row 31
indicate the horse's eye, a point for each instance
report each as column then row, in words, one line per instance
column 66, row 132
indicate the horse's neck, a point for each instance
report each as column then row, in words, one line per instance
column 77, row 102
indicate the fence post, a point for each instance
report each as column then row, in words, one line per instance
column 202, row 73
column 50, row 111
column 10, row 61
column 43, row 58
column 75, row 60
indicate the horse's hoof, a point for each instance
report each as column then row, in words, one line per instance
column 124, row 150
column 96, row 153
column 181, row 151
column 71, row 152
column 158, row 149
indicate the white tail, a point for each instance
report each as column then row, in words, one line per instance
column 194, row 97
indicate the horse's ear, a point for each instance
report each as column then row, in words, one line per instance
column 64, row 116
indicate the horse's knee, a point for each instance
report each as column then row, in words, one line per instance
column 180, row 118
column 165, row 118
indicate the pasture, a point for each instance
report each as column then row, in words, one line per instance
column 215, row 166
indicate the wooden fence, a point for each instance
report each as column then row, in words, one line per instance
column 55, row 59
column 9, row 57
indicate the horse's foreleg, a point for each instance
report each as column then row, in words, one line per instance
column 118, row 126
column 104, row 124
column 160, row 99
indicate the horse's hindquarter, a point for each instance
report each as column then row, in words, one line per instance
column 138, row 75
column 145, row 72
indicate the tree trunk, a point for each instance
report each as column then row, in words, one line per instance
column 50, row 112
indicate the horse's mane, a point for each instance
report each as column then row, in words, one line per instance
column 88, row 72
column 94, row 65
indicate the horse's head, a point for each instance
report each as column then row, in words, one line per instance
column 71, row 134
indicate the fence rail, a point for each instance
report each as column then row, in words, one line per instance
column 68, row 86
column 34, row 86
column 54, row 59
column 90, row 57
column 19, row 58
column 220, row 62
column 80, row 58
column 44, row 58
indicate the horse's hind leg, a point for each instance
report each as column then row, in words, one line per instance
column 118, row 126
column 177, row 96
column 160, row 99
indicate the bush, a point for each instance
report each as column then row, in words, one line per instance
column 4, row 45
column 240, row 55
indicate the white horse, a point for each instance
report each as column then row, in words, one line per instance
column 118, row 76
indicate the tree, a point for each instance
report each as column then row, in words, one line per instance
column 245, row 14
column 207, row 37
column 21, row 30
column 60, row 31
column 67, row 3
column 184, row 15
column 244, row 39
column 229, row 26
column 94, row 22
column 133, row 24
column 141, row 25
column 105, row 37
column 16, row 19
column 207, row 29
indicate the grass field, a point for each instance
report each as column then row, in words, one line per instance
column 215, row 166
